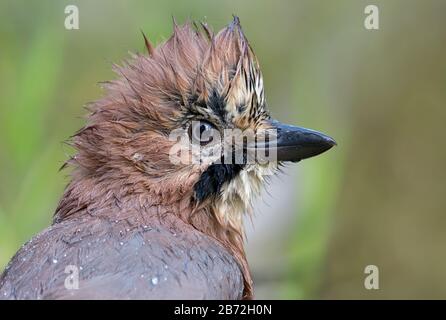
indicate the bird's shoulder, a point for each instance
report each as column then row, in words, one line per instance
column 121, row 259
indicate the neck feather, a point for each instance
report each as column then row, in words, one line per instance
column 220, row 220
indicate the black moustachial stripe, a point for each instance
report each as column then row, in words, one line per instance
column 213, row 178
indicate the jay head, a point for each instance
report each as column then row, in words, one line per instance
column 181, row 143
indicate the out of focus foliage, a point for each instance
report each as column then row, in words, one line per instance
column 375, row 199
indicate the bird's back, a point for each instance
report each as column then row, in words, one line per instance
column 122, row 259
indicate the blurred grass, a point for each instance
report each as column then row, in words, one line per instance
column 320, row 69
column 31, row 185
column 308, row 245
column 24, row 127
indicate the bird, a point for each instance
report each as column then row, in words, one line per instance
column 132, row 223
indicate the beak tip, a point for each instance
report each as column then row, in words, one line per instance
column 331, row 142
column 326, row 144
column 298, row 143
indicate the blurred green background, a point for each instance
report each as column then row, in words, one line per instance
column 378, row 198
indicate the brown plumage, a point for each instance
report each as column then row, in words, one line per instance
column 139, row 225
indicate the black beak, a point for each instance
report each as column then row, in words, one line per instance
column 296, row 143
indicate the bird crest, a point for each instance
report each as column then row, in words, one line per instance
column 197, row 72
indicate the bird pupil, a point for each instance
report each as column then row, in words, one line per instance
column 196, row 131
column 203, row 128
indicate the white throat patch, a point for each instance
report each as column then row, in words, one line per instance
column 237, row 195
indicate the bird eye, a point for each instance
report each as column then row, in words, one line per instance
column 201, row 132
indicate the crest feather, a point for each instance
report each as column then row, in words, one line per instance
column 191, row 65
